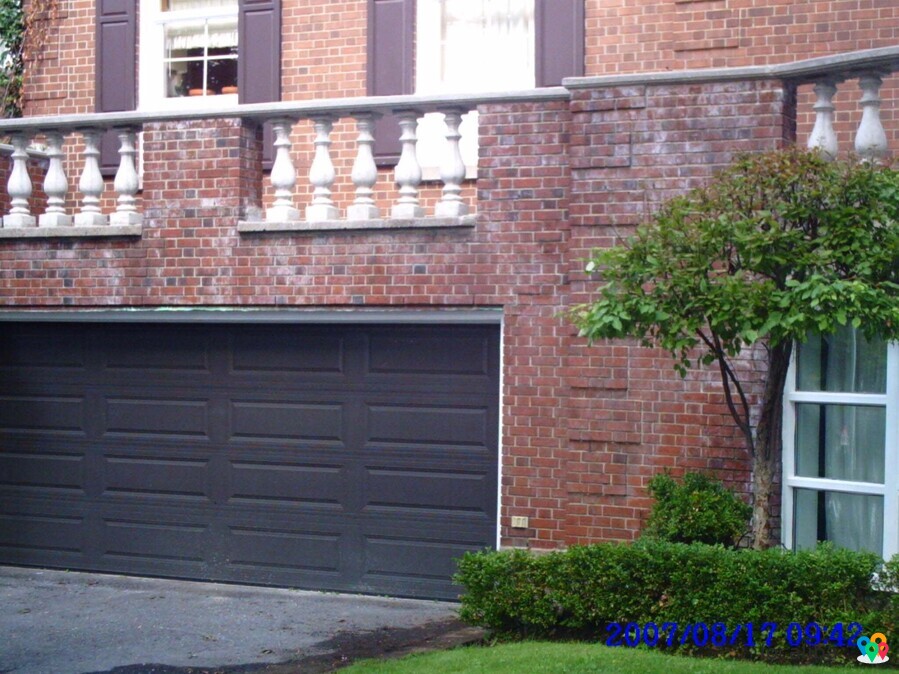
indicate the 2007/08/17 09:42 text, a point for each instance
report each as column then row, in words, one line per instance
column 742, row 634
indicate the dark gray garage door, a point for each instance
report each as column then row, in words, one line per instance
column 358, row 458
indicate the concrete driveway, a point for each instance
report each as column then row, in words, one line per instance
column 58, row 622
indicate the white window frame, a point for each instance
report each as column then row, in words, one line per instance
column 151, row 74
column 889, row 490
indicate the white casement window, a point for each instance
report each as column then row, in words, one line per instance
column 188, row 53
column 841, row 427
column 470, row 46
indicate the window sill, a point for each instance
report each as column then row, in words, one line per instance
column 71, row 232
column 306, row 227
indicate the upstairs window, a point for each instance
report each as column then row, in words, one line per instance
column 188, row 52
column 466, row 46
column 453, row 46
column 469, row 46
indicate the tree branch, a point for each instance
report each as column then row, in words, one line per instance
column 730, row 382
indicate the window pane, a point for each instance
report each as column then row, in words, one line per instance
column 466, row 46
column 853, row 521
column 840, row 442
column 844, row 361
column 201, row 57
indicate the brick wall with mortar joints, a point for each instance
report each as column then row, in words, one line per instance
column 543, row 459
column 191, row 255
column 632, row 148
column 660, row 35
column 324, row 55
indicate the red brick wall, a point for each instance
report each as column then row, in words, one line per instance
column 629, row 416
column 324, row 48
column 583, row 427
column 657, row 35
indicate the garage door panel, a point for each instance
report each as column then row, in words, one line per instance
column 32, row 530
column 430, row 493
column 51, row 473
column 135, row 353
column 430, row 425
column 424, row 352
column 255, row 483
column 282, row 419
column 411, row 557
column 46, row 414
column 157, row 417
column 286, row 549
column 293, row 351
column 149, row 542
column 170, row 478
column 38, row 348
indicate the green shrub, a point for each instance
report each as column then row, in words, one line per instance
column 578, row 592
column 697, row 510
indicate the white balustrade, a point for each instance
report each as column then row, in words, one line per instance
column 126, row 181
column 871, row 139
column 365, row 171
column 19, row 185
column 56, row 185
column 91, row 183
column 823, row 136
column 284, row 175
column 322, row 174
column 407, row 173
column 452, row 170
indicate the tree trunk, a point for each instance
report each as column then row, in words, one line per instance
column 768, row 443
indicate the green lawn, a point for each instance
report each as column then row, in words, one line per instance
column 556, row 658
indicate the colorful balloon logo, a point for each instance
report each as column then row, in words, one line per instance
column 874, row 649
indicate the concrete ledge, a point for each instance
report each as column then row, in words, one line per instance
column 305, row 227
column 70, row 232
column 838, row 66
column 338, row 107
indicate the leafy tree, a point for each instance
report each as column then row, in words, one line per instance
column 12, row 60
column 778, row 246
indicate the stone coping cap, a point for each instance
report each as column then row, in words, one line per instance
column 835, row 68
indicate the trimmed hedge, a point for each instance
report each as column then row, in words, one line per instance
column 578, row 592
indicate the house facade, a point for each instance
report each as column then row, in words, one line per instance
column 282, row 292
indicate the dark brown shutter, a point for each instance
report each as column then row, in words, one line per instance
column 116, row 65
column 560, row 40
column 259, row 59
column 391, row 39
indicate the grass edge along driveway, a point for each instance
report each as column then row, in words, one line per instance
column 536, row 657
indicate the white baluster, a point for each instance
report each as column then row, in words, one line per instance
column 91, row 183
column 452, row 170
column 408, row 171
column 284, row 175
column 126, row 181
column 19, row 185
column 823, row 136
column 871, row 139
column 56, row 185
column 321, row 174
column 365, row 172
